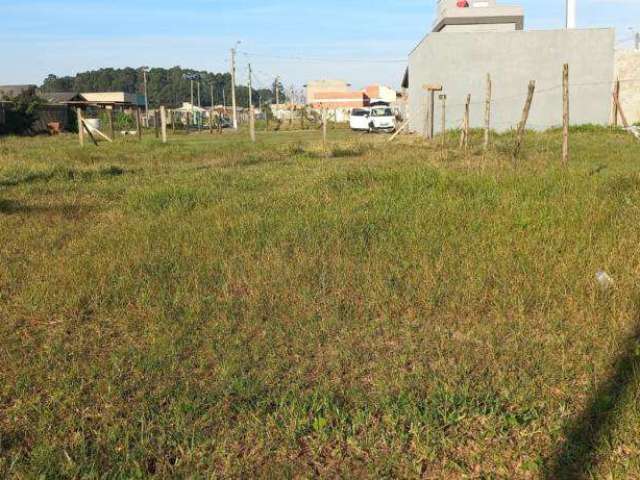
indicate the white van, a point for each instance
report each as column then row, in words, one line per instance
column 375, row 119
column 359, row 119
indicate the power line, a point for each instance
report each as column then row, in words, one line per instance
column 326, row 60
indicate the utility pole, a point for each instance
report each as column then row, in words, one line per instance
column 252, row 119
column 199, row 105
column 192, row 109
column 192, row 77
column 233, row 88
column 211, row 109
column 277, row 90
column 250, row 91
column 146, row 96
column 291, row 106
column 571, row 14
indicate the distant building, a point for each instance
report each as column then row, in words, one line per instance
column 381, row 93
column 61, row 98
column 287, row 111
column 317, row 88
column 94, row 99
column 116, row 99
column 339, row 98
column 10, row 91
column 190, row 113
column 473, row 38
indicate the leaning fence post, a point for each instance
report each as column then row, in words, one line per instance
column 616, row 99
column 525, row 116
column 614, row 105
column 80, row 126
column 487, row 113
column 565, row 113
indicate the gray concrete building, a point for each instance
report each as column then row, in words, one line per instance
column 459, row 59
column 478, row 16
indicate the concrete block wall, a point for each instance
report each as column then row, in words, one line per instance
column 461, row 61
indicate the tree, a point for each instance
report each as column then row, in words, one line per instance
column 279, row 87
column 22, row 113
column 165, row 86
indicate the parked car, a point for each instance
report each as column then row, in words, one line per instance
column 375, row 119
column 359, row 119
column 225, row 122
column 382, row 119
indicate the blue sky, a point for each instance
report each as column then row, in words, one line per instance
column 361, row 41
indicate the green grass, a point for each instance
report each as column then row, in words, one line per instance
column 213, row 308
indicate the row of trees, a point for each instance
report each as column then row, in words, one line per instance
column 165, row 86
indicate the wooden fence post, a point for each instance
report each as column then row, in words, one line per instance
column 487, row 113
column 616, row 99
column 467, row 122
column 211, row 120
column 464, row 135
column 112, row 130
column 444, row 122
column 138, row 119
column 565, row 113
column 523, row 122
column 252, row 124
column 156, row 123
column 614, row 105
column 86, row 128
column 163, row 123
column 80, row 126
column 324, row 131
column 291, row 110
column 431, row 108
column 172, row 118
column 430, row 115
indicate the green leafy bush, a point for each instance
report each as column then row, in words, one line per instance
column 21, row 114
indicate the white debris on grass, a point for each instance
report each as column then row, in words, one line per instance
column 604, row 280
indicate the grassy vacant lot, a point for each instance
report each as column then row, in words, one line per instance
column 212, row 308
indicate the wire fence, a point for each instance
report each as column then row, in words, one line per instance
column 543, row 91
column 553, row 89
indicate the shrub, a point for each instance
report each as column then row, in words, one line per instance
column 21, row 115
